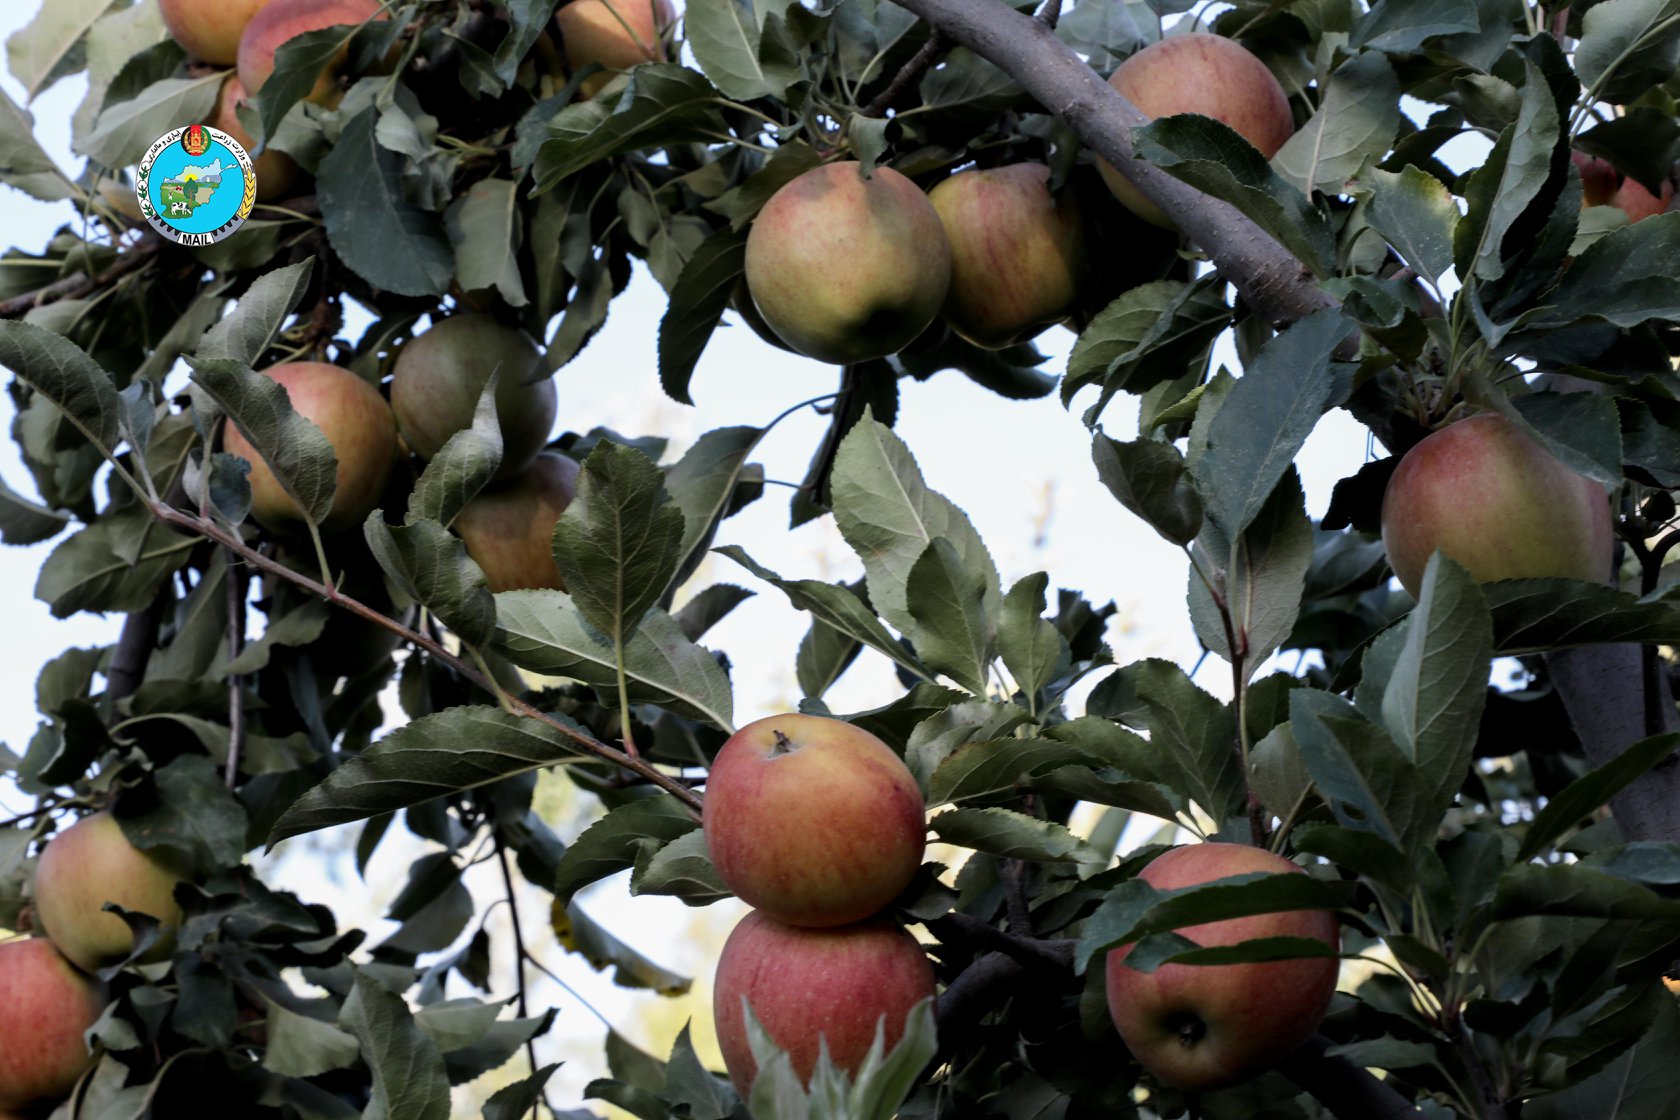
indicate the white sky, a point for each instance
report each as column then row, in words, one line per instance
column 1021, row 470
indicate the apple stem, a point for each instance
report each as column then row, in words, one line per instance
column 784, row 745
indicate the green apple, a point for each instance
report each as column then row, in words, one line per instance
column 92, row 863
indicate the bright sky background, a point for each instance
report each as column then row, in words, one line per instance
column 1021, row 470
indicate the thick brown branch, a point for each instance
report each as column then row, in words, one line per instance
column 133, row 649
column 586, row 744
column 1348, row 1091
column 1268, row 276
column 75, row 287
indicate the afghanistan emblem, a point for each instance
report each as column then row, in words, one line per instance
column 196, row 185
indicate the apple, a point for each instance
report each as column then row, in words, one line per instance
column 277, row 172
column 844, row 268
column 209, row 30
column 618, row 34
column 811, row 986
column 1017, row 253
column 1598, row 179
column 1491, row 498
column 438, row 377
column 509, row 526
column 1638, row 203
column 812, row 820
column 1206, row 74
column 92, row 863
column 46, row 1006
column 282, row 20
column 1201, row 1027
column 356, row 421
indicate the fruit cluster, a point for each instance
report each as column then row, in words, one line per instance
column 50, row 996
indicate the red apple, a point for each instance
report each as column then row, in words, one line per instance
column 1017, row 253
column 1201, row 1027
column 1497, row 502
column 1206, row 74
column 808, row 986
column 509, row 526
column 1638, row 203
column 356, row 421
column 209, row 30
column 1598, row 179
column 46, row 1006
column 92, row 863
column 439, row 376
column 845, row 268
column 813, row 821
column 618, row 34
column 282, row 20
column 277, row 172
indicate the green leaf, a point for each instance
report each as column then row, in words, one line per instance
column 1260, row 577
column 62, row 373
column 618, row 542
column 297, row 627
column 1432, row 706
column 698, row 300
column 1533, row 615
column 663, row 104
column 689, row 1085
column 115, row 564
column 1032, row 648
column 295, row 449
column 743, row 57
column 409, row 1082
column 37, row 52
column 193, row 814
column 526, row 22
column 1368, row 784
column 298, row 63
column 1266, row 419
column 1501, row 191
column 708, row 607
column 463, row 466
column 994, row 767
column 953, row 634
column 740, row 204
column 247, row 332
column 455, row 749
column 969, row 87
column 702, row 485
column 889, row 517
column 1012, row 835
column 1402, row 26
column 1580, row 798
column 301, row 1046
column 1135, row 910
column 1192, row 737
column 1356, row 119
column 24, row 164
column 1582, row 430
column 580, row 934
column 1628, row 46
column 1151, row 334
column 1626, row 277
column 1576, row 891
column 384, row 238
column 1147, row 476
column 611, row 844
column 125, row 130
column 1415, row 213
column 835, row 606
column 25, row 522
column 486, row 228
column 431, row 566
column 682, row 868
column 544, row 632
column 517, row 1100
column 1642, row 1083
column 1211, row 156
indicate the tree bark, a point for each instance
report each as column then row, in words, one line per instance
column 1347, row 1090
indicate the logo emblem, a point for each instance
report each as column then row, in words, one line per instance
column 196, row 185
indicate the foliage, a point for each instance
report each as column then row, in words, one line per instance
column 1515, row 935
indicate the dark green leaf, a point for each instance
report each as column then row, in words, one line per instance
column 610, row 844
column 297, row 451
column 663, row 104
column 432, row 567
column 698, row 300
column 1580, row 798
column 408, row 1076
column 1147, row 476
column 374, row 228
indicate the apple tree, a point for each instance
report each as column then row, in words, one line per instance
column 1459, row 795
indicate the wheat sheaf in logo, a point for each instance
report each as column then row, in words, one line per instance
column 196, row 185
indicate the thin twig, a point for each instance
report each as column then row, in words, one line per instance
column 586, row 744
column 74, row 287
column 518, row 952
column 908, row 75
column 1050, row 14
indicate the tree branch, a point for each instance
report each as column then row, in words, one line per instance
column 908, row 75
column 75, row 287
column 133, row 649
column 1349, row 1091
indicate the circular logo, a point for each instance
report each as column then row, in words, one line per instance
column 196, row 185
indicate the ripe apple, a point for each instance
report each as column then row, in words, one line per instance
column 1202, row 1027
column 812, row 820
column 1598, row 179
column 1497, row 502
column 439, row 376
column 277, row 172
column 1017, row 254
column 807, row 986
column 509, row 526
column 282, row 20
column 845, row 268
column 92, row 863
column 1206, row 74
column 356, row 421
column 45, row 1008
column 209, row 30
column 618, row 34
column 1638, row 203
